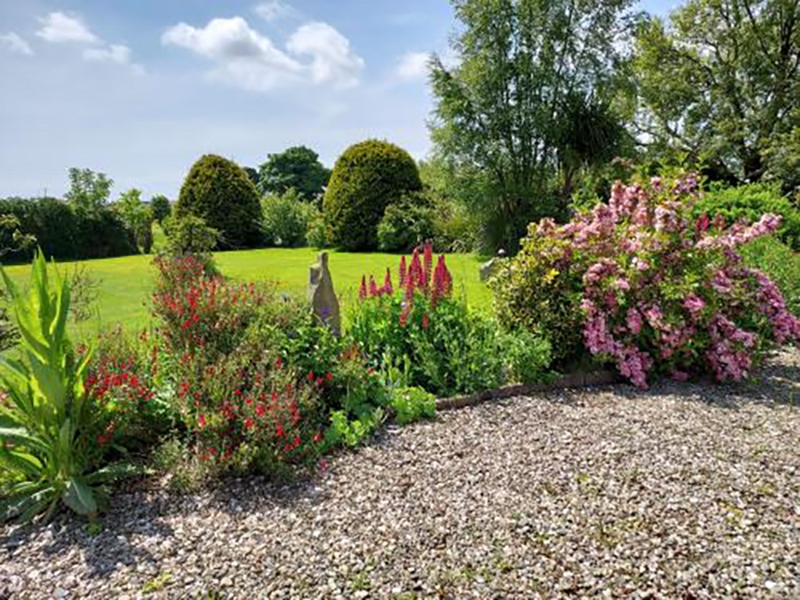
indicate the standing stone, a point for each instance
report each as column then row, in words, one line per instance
column 321, row 295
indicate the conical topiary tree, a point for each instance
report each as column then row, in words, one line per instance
column 219, row 191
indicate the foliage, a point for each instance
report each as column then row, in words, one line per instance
column 317, row 235
column 747, row 203
column 406, row 223
column 137, row 216
column 529, row 356
column 780, row 264
column 88, row 191
column 161, row 207
column 426, row 337
column 286, row 219
column 47, row 416
column 503, row 108
column 63, row 232
column 659, row 292
column 367, row 177
column 413, row 404
column 218, row 191
column 721, row 83
column 189, row 235
column 295, row 168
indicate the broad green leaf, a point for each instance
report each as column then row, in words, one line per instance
column 79, row 497
column 21, row 462
column 114, row 472
column 21, row 436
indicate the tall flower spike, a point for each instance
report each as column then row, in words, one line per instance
column 447, row 285
column 373, row 288
column 387, row 283
column 362, row 291
column 403, row 272
column 428, row 255
column 415, row 273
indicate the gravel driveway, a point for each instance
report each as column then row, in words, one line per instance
column 687, row 490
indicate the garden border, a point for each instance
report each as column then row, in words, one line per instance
column 572, row 380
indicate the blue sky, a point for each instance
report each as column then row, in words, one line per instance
column 140, row 89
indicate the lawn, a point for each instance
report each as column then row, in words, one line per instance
column 125, row 284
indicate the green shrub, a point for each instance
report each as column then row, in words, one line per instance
column 64, row 233
column 218, row 191
column 367, row 178
column 748, row 203
column 406, row 224
column 286, row 219
column 161, row 207
column 780, row 264
column 190, row 235
column 413, row 404
column 317, row 235
column 531, row 295
column 48, row 421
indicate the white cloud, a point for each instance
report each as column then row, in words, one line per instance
column 273, row 10
column 115, row 53
column 333, row 61
column 250, row 60
column 15, row 44
column 413, row 65
column 58, row 27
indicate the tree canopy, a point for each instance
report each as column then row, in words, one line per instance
column 720, row 82
column 502, row 107
column 88, row 191
column 297, row 167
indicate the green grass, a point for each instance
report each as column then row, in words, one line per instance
column 125, row 284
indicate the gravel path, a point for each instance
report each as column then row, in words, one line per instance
column 683, row 491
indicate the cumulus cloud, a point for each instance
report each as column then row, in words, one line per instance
column 273, row 10
column 116, row 54
column 413, row 65
column 58, row 27
column 333, row 61
column 250, row 60
column 15, row 43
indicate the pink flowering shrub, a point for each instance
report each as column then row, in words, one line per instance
column 653, row 290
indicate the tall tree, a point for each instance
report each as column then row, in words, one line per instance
column 501, row 107
column 297, row 167
column 88, row 191
column 721, row 81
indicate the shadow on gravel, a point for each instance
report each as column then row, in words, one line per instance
column 775, row 383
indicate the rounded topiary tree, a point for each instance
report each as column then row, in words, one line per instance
column 219, row 191
column 367, row 178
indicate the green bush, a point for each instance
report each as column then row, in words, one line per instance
column 367, row 178
column 317, row 235
column 64, row 233
column 161, row 207
column 531, row 295
column 406, row 224
column 748, row 203
column 780, row 264
column 48, row 424
column 219, row 191
column 286, row 219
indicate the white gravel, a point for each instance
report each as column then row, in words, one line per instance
column 687, row 490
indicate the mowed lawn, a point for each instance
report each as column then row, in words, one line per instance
column 125, row 284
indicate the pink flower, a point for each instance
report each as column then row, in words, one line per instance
column 694, row 304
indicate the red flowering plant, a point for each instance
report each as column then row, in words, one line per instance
column 121, row 382
column 201, row 311
column 651, row 289
column 420, row 330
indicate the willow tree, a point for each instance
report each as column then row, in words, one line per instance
column 500, row 104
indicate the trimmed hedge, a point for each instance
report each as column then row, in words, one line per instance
column 66, row 234
column 219, row 191
column 747, row 203
column 367, row 178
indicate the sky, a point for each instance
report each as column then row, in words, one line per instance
column 139, row 90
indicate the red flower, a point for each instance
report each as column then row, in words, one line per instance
column 317, row 438
column 373, row 288
column 329, row 376
column 387, row 283
column 425, row 321
column 201, row 421
column 362, row 291
column 403, row 272
column 249, row 423
column 310, row 376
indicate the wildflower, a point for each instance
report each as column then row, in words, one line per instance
column 403, row 272
column 201, row 421
column 328, row 376
column 387, row 283
column 249, row 423
column 425, row 321
column 362, row 291
column 373, row 288
column 310, row 377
